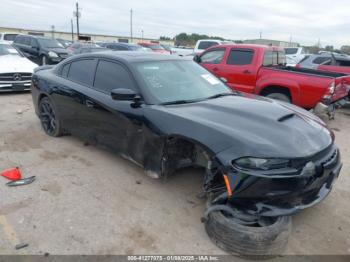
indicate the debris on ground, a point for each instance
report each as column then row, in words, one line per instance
column 19, row 112
column 138, row 182
column 12, row 174
column 22, row 182
column 21, row 245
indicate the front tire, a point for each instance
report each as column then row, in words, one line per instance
column 49, row 119
column 248, row 240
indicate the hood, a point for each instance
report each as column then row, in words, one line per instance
column 256, row 127
column 57, row 50
column 15, row 63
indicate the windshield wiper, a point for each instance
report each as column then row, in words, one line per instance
column 178, row 102
column 221, row 95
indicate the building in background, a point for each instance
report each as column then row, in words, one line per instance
column 271, row 42
column 83, row 36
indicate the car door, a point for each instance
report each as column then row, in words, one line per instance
column 69, row 94
column 239, row 70
column 212, row 60
column 115, row 124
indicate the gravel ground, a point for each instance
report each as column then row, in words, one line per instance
column 89, row 201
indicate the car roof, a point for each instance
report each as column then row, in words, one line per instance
column 131, row 56
column 254, row 46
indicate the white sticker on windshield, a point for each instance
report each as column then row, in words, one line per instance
column 211, row 79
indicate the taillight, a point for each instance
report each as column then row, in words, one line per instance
column 327, row 97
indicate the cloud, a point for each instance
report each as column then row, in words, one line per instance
column 304, row 21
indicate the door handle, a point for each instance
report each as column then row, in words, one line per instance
column 247, row 71
column 89, row 104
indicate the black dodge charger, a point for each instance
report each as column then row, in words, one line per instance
column 265, row 158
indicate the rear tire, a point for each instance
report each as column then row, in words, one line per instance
column 49, row 119
column 279, row 96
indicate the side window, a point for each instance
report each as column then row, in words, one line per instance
column 65, row 70
column 34, row 43
column 212, row 57
column 110, row 76
column 27, row 40
column 240, row 57
column 82, row 71
column 321, row 60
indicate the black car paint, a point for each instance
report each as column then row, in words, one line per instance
column 35, row 53
column 163, row 138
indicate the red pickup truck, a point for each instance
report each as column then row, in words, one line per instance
column 261, row 70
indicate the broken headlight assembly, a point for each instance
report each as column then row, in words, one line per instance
column 252, row 163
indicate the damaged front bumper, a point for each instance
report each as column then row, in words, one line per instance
column 279, row 195
column 329, row 107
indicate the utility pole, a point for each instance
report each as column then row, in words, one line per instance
column 260, row 34
column 53, row 31
column 131, row 25
column 77, row 14
column 71, row 23
column 142, row 35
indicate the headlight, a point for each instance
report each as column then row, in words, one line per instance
column 261, row 163
column 52, row 54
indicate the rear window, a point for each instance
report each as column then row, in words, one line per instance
column 82, row 71
column 274, row 58
column 10, row 37
column 206, row 44
column 240, row 57
column 291, row 51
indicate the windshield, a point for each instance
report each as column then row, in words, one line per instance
column 176, row 81
column 8, row 50
column 49, row 43
column 291, row 51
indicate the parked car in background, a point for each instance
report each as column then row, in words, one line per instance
column 295, row 53
column 8, row 37
column 122, row 47
column 204, row 44
column 64, row 42
column 89, row 49
column 155, row 47
column 261, row 70
column 41, row 50
column 290, row 62
column 330, row 62
column 77, row 45
column 15, row 69
column 182, row 51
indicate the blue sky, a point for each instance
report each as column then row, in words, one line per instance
column 304, row 21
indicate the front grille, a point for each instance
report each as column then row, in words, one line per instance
column 15, row 77
column 63, row 55
column 325, row 157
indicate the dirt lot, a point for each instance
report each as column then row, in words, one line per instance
column 88, row 201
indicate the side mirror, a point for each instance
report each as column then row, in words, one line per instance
column 124, row 94
column 196, row 58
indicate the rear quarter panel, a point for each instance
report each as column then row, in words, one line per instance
column 306, row 90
